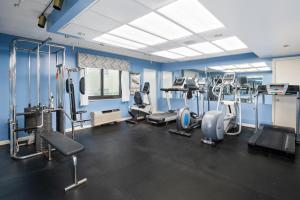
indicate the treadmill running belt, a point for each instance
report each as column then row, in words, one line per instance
column 274, row 138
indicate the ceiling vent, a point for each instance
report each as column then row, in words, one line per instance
column 189, row 42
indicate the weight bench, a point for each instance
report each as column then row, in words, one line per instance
column 67, row 147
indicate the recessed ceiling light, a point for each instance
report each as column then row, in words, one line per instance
column 230, row 43
column 206, row 48
column 185, row 51
column 158, row 25
column 265, row 69
column 259, row 64
column 192, row 15
column 137, row 35
column 113, row 40
column 167, row 54
column 243, row 66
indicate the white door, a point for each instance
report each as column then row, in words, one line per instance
column 150, row 76
column 284, row 108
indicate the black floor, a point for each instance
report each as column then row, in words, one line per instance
column 140, row 162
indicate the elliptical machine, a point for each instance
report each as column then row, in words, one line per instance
column 187, row 120
column 139, row 110
column 227, row 119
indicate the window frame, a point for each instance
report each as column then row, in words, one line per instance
column 102, row 96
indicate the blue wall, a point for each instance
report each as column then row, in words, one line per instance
column 265, row 110
column 136, row 65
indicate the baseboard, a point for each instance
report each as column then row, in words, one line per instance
column 248, row 125
column 21, row 139
column 4, row 142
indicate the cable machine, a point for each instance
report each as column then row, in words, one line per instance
column 37, row 116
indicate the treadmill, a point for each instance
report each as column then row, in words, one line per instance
column 273, row 138
column 170, row 115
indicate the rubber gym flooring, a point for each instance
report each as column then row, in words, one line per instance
column 144, row 162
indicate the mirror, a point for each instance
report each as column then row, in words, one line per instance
column 249, row 76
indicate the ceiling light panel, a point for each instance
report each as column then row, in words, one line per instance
column 158, row 25
column 105, row 38
column 167, row 54
column 192, row 15
column 243, row 66
column 259, row 64
column 217, row 68
column 206, row 48
column 230, row 43
column 251, row 70
column 185, row 52
column 229, row 67
column 137, row 35
column 264, row 69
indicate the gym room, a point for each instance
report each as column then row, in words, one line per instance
column 150, row 99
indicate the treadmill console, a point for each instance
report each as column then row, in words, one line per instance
column 278, row 89
column 190, row 84
column 228, row 78
column 179, row 83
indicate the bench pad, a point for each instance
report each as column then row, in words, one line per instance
column 62, row 143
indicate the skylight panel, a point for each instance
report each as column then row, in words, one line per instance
column 230, row 43
column 137, row 35
column 219, row 68
column 229, row 67
column 185, row 52
column 168, row 54
column 251, row 70
column 158, row 25
column 116, row 41
column 192, row 15
column 243, row 66
column 259, row 64
column 206, row 48
column 264, row 69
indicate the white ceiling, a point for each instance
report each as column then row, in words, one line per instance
column 22, row 21
column 264, row 26
column 112, row 16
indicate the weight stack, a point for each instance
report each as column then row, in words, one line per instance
column 30, row 119
column 60, row 121
column 40, row 144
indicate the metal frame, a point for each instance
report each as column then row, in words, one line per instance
column 37, row 49
column 297, row 129
column 81, row 121
column 237, row 100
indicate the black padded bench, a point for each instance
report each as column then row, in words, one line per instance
column 67, row 147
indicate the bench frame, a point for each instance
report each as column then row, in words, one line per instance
column 76, row 182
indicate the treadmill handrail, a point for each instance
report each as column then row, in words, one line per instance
column 174, row 89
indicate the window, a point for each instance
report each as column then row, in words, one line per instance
column 103, row 83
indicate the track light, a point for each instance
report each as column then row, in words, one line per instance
column 42, row 21
column 57, row 4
